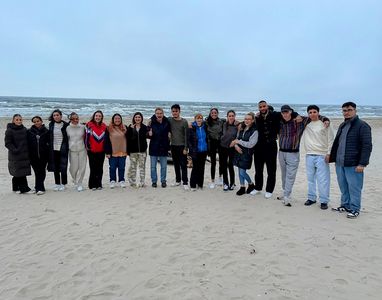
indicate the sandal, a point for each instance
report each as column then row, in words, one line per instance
column 341, row 209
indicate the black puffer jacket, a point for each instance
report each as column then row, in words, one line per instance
column 18, row 156
column 136, row 140
column 358, row 143
column 64, row 148
column 159, row 141
column 38, row 143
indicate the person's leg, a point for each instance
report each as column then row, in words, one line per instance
column 163, row 168
column 355, row 181
column 202, row 163
column 57, row 167
column 176, row 157
column 73, row 165
column 271, row 163
column 282, row 162
column 23, row 184
column 100, row 158
column 133, row 169
column 142, row 167
column 292, row 162
column 241, row 176
column 231, row 155
column 194, row 173
column 153, row 168
column 259, row 161
column 344, row 187
column 223, row 161
column 92, row 166
column 113, row 163
column 212, row 153
column 64, row 168
column 310, row 161
column 82, row 160
column 323, row 179
column 39, row 169
column 15, row 184
column 121, row 168
column 183, row 166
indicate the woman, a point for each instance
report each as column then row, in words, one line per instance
column 244, row 144
column 158, row 134
column 197, row 146
column 77, row 150
column 116, row 150
column 227, row 152
column 137, row 146
column 214, row 133
column 38, row 144
column 59, row 149
column 94, row 142
column 18, row 157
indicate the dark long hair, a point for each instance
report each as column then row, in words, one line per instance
column 93, row 116
column 209, row 118
column 55, row 111
column 137, row 114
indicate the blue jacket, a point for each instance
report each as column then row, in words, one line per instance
column 358, row 143
column 196, row 145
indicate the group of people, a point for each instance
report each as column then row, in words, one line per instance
column 260, row 138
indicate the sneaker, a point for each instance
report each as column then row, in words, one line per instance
column 112, row 184
column 241, row 191
column 286, row 201
column 232, row 187
column 61, row 188
column 176, row 184
column 80, row 188
column 56, row 187
column 225, row 188
column 309, row 202
column 250, row 188
column 212, row 185
column 154, row 185
column 164, row 184
column 17, row 192
column 94, row 189
column 39, row 193
column 122, row 184
column 31, row 192
column 340, row 209
column 186, row 187
column 324, row 206
column 193, row 189
column 255, row 192
column 267, row 195
column 353, row 214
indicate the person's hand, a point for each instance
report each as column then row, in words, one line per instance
column 185, row 151
column 238, row 149
column 359, row 169
column 234, row 142
column 151, row 132
column 327, row 157
column 298, row 119
column 107, row 155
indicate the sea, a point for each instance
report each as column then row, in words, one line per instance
column 43, row 106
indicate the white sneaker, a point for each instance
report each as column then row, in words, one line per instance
column 186, row 187
column 17, row 192
column 112, row 184
column 255, row 192
column 212, row 185
column 40, row 193
column 267, row 195
column 56, row 187
column 122, row 184
column 225, row 188
column 286, row 201
column 193, row 189
column 220, row 181
column 31, row 192
column 80, row 188
column 61, row 188
column 175, row 184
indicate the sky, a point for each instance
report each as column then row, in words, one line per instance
column 323, row 52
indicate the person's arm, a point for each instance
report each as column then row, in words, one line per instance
column 330, row 140
column 185, row 150
column 252, row 140
column 366, row 147
column 107, row 144
column 8, row 141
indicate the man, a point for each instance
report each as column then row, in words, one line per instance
column 179, row 149
column 351, row 152
column 317, row 142
column 268, row 126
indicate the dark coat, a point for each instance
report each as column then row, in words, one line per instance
column 159, row 141
column 358, row 144
column 192, row 141
column 137, row 140
column 18, row 156
column 64, row 150
column 244, row 160
column 38, row 143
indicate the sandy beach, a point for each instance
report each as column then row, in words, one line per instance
column 166, row 243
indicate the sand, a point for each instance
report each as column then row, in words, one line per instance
column 170, row 244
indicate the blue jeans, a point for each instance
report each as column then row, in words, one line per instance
column 114, row 164
column 318, row 173
column 350, row 183
column 163, row 168
column 243, row 175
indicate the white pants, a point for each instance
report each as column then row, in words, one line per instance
column 77, row 160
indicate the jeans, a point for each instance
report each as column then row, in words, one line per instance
column 117, row 162
column 350, row 183
column 289, row 162
column 163, row 168
column 243, row 175
column 318, row 173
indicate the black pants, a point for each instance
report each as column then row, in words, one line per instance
column 20, row 184
column 96, row 161
column 60, row 174
column 226, row 163
column 39, row 168
column 180, row 164
column 265, row 153
column 197, row 173
column 214, row 148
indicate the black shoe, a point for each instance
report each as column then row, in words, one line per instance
column 288, row 205
column 241, row 191
column 232, row 187
column 324, row 206
column 250, row 188
column 154, row 185
column 164, row 184
column 310, row 202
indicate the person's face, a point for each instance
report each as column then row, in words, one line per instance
column 199, row 120
column 74, row 119
column 231, row 118
column 214, row 114
column 248, row 120
column 349, row 112
column 287, row 115
column 159, row 115
column 263, row 107
column 138, row 119
column 18, row 120
column 117, row 120
column 98, row 117
column 175, row 113
column 57, row 117
column 37, row 122
column 313, row 114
